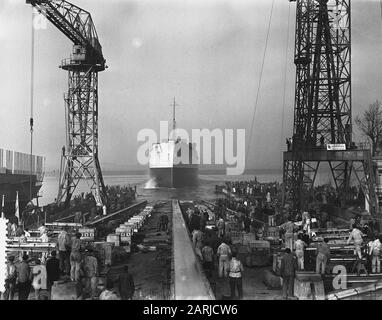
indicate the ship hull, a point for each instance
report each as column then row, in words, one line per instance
column 174, row 177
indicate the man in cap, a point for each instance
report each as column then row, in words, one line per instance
column 10, row 279
column 24, row 278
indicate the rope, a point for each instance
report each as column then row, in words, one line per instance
column 259, row 84
column 31, row 105
column 285, row 78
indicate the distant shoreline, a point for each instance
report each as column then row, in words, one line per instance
column 201, row 171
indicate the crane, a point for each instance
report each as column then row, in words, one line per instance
column 79, row 160
column 322, row 130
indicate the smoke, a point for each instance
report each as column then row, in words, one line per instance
column 151, row 184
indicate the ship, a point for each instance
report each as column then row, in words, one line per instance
column 173, row 163
column 21, row 175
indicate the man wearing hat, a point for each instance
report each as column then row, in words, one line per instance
column 10, row 279
column 90, row 266
column 24, row 278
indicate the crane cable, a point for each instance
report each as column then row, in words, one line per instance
column 31, row 105
column 285, row 82
column 259, row 84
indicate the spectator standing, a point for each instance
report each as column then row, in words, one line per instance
column 10, row 279
column 208, row 259
column 235, row 276
column 91, row 273
column 23, row 280
column 39, row 281
column 197, row 240
column 375, row 252
column 221, row 228
column 76, row 257
column 300, row 247
column 64, row 252
column 288, row 270
column 223, row 253
column 356, row 235
column 323, row 256
column 126, row 285
column 52, row 270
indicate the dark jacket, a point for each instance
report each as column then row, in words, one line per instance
column 53, row 270
column 126, row 285
column 288, row 265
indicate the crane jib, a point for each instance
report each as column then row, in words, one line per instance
column 76, row 24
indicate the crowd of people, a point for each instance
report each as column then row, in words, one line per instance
column 267, row 197
column 77, row 262
column 214, row 248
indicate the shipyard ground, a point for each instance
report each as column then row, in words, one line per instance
column 253, row 285
column 151, row 270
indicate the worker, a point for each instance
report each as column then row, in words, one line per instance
column 76, row 257
column 247, row 224
column 375, row 251
column 78, row 217
column 44, row 237
column 19, row 231
column 9, row 229
column 197, row 240
column 223, row 253
column 208, row 259
column 221, row 228
column 165, row 221
column 356, row 235
column 52, row 271
column 323, row 256
column 203, row 220
column 109, row 293
column 24, row 278
column 288, row 270
column 14, row 228
column 126, row 285
column 27, row 233
column 10, row 279
column 42, row 229
column 64, row 251
column 90, row 267
column 299, row 250
column 288, row 227
column 235, row 273
column 39, row 281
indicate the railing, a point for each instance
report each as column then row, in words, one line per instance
column 13, row 162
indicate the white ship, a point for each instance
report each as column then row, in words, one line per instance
column 173, row 163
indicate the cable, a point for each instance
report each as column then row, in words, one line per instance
column 31, row 105
column 259, row 84
column 285, row 78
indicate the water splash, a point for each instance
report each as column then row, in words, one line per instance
column 151, row 184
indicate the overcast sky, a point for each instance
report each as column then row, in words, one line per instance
column 206, row 53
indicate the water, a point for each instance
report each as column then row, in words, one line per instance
column 205, row 190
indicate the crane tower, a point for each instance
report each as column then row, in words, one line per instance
column 80, row 155
column 322, row 130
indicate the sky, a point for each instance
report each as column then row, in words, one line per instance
column 206, row 53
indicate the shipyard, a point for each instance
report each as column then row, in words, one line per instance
column 209, row 151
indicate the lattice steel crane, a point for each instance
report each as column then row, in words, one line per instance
column 322, row 111
column 80, row 156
